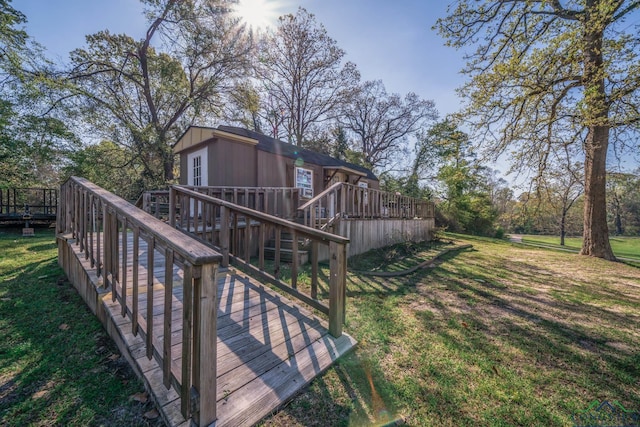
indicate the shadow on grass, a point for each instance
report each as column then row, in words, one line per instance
column 57, row 364
column 484, row 340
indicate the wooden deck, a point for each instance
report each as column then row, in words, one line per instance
column 268, row 348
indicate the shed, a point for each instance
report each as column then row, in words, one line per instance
column 235, row 157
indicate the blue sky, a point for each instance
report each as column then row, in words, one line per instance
column 387, row 40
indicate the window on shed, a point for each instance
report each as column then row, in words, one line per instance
column 197, row 170
column 304, row 181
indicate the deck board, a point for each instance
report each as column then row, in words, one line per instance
column 268, row 347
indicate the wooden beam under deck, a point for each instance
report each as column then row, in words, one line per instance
column 268, row 348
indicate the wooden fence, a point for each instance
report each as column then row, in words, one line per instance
column 33, row 203
column 343, row 200
column 241, row 235
column 103, row 225
column 277, row 201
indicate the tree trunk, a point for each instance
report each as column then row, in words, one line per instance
column 596, row 232
column 563, row 226
column 617, row 216
column 166, row 151
column 168, row 168
column 619, row 230
column 596, row 110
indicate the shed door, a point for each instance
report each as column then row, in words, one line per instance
column 198, row 168
column 197, row 175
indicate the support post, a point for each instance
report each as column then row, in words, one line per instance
column 337, row 287
column 205, row 349
column 172, row 207
column 224, row 235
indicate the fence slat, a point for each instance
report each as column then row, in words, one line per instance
column 123, row 282
column 136, row 265
column 205, row 369
column 168, row 307
column 149, row 331
column 187, row 342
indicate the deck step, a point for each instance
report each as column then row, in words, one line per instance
column 288, row 244
column 286, row 255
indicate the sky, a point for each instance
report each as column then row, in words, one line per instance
column 390, row 41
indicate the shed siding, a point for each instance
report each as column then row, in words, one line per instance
column 182, row 179
column 232, row 164
column 272, row 170
column 278, row 171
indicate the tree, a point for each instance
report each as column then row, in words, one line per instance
column 244, row 106
column 303, row 80
column 382, row 122
column 142, row 94
column 544, row 70
column 624, row 202
column 562, row 186
column 463, row 188
column 33, row 143
column 110, row 166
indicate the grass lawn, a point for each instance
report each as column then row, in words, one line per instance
column 625, row 247
column 57, row 364
column 501, row 334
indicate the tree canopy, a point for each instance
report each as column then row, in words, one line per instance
column 381, row 122
column 142, row 94
column 546, row 74
column 303, row 79
column 33, row 144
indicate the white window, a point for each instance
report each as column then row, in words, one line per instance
column 304, row 181
column 197, row 170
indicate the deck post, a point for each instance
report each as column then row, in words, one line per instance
column 224, row 235
column 337, row 287
column 172, row 207
column 205, row 345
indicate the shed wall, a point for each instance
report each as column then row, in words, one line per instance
column 232, row 164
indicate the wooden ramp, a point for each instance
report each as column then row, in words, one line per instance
column 268, row 348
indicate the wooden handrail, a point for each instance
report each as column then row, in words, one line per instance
column 350, row 201
column 103, row 225
column 39, row 200
column 240, row 234
column 328, row 190
column 278, row 201
column 160, row 231
column 260, row 216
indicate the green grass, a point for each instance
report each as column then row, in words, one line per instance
column 501, row 334
column 498, row 335
column 57, row 364
column 626, row 247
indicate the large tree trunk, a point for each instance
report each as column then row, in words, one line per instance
column 596, row 232
column 596, row 110
column 168, row 168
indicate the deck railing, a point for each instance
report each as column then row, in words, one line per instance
column 241, row 235
column 36, row 202
column 277, row 201
column 105, row 227
column 351, row 201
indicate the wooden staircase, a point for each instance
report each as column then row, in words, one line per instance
column 286, row 249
